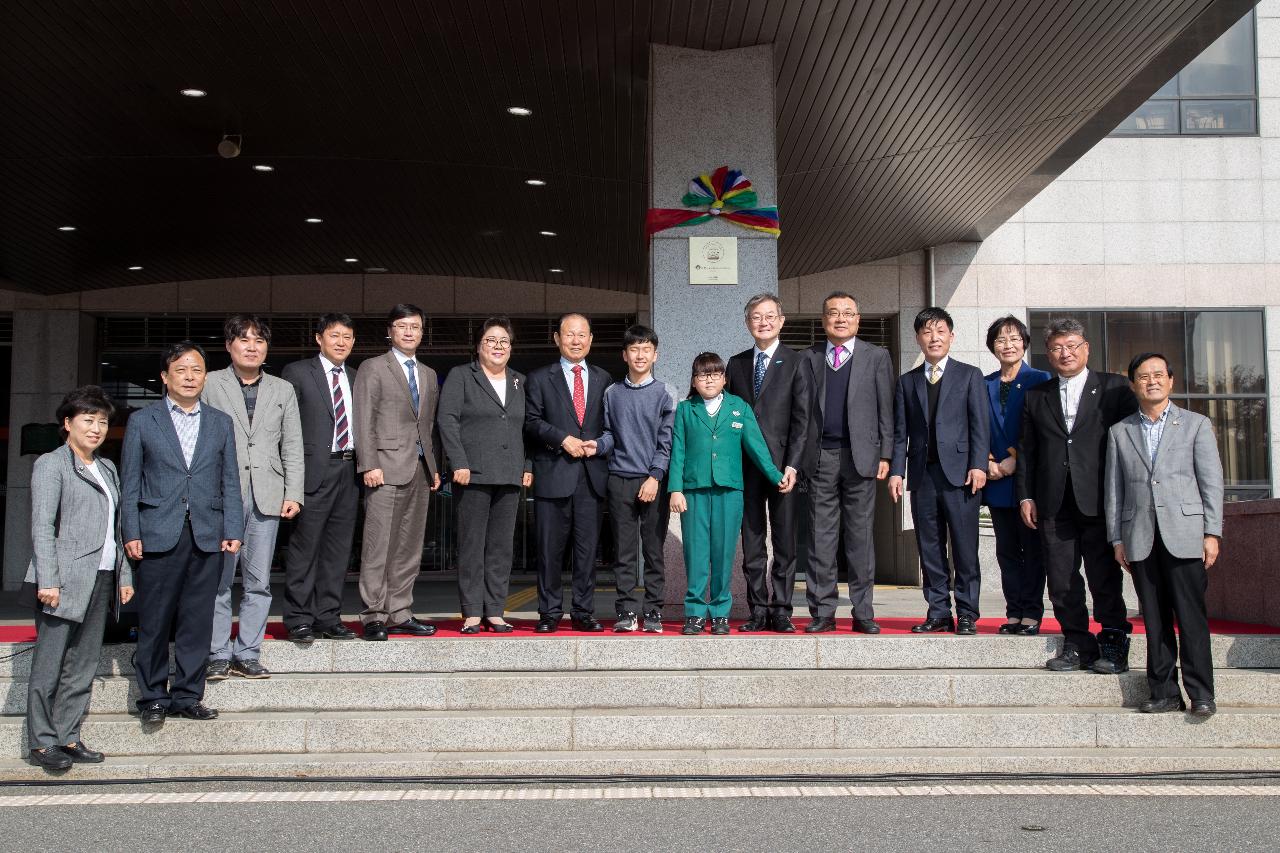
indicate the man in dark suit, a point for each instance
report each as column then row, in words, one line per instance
column 180, row 510
column 772, row 378
column 850, row 440
column 564, row 424
column 1060, row 493
column 315, row 567
column 397, row 452
column 940, row 435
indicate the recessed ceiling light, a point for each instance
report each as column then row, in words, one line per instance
column 547, row 233
column 134, row 268
column 105, row 363
column 520, row 111
column 375, row 269
column 314, row 220
column 263, row 167
column 194, row 93
column 66, row 228
column 351, row 260
column 555, row 269
column 534, row 182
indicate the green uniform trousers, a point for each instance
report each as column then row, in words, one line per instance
column 710, row 529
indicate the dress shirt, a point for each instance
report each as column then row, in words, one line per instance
column 773, row 347
column 940, row 367
column 1070, row 392
column 401, row 358
column 187, row 425
column 499, row 386
column 627, row 381
column 345, row 385
column 848, row 351
column 567, row 366
column 713, row 405
column 108, row 561
column 1153, row 430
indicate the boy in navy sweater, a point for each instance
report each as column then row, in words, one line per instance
column 639, row 412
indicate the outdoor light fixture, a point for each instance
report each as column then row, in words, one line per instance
column 534, row 182
column 229, row 147
column 520, row 111
column 263, row 167
column 193, row 93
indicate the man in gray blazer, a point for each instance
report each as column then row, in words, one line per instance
column 180, row 510
column 264, row 411
column 1164, row 518
column 396, row 451
column 847, row 450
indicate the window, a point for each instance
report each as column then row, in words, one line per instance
column 1219, row 362
column 1216, row 95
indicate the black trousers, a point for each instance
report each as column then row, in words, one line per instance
column 560, row 522
column 175, row 590
column 315, row 567
column 1172, row 590
column 486, row 541
column 946, row 514
column 1068, row 538
column 842, row 508
column 769, row 588
column 637, row 527
column 1021, row 564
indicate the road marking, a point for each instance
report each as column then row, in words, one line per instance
column 516, row 600
column 641, row 792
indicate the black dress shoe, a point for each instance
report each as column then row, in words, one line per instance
column 198, row 711
column 866, row 626
column 1203, row 708
column 1030, row 630
column 1162, row 706
column 934, row 626
column 153, row 712
column 1011, row 628
column 693, row 625
column 720, row 625
column 302, row 634
column 783, row 624
column 757, row 622
column 586, row 624
column 51, row 758
column 81, row 754
column 337, row 631
column 548, row 625
column 375, row 630
column 966, row 626
column 1068, row 660
column 413, row 628
column 820, row 625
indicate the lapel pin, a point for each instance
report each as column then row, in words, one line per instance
column 777, row 361
column 1094, row 391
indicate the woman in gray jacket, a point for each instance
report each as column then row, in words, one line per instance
column 78, row 569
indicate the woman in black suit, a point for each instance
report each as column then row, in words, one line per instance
column 481, row 419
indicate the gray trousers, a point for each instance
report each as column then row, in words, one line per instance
column 486, row 541
column 254, row 560
column 842, row 505
column 395, row 525
column 62, row 669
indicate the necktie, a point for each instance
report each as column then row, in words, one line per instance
column 579, row 395
column 413, row 382
column 340, row 426
column 935, row 373
column 837, row 357
column 762, row 361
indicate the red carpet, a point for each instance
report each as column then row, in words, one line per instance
column 448, row 629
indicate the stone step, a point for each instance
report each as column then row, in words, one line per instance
column 669, row 652
column 462, row 691
column 681, row 729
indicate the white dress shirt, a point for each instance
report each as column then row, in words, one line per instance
column 848, row 351
column 401, row 358
column 567, row 366
column 347, row 401
column 499, row 386
column 108, row 561
column 940, row 367
column 1070, row 391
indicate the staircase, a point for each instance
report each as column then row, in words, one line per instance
column 649, row 706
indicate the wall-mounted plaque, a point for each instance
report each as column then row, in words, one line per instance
column 713, row 260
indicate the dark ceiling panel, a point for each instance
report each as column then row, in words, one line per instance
column 901, row 123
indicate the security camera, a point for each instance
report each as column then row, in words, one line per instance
column 229, row 147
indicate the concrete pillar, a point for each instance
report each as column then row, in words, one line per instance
column 50, row 355
column 707, row 109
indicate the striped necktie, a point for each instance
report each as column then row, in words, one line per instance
column 340, row 426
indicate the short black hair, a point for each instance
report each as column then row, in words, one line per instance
column 839, row 294
column 178, row 350
column 639, row 334
column 502, row 322
column 1138, row 359
column 405, row 310
column 85, row 400
column 334, row 319
column 1008, row 321
column 933, row 314
column 704, row 362
column 239, row 325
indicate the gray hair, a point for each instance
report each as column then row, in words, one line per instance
column 759, row 299
column 1062, row 327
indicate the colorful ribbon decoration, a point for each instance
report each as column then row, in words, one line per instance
column 725, row 194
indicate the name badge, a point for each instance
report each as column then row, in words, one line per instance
column 736, row 425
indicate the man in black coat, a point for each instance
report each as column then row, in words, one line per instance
column 773, row 379
column 1060, row 492
column 564, row 425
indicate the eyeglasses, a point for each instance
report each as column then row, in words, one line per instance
column 1151, row 377
column 1064, row 349
column 764, row 318
column 839, row 315
column 407, row 327
column 497, row 343
column 702, row 377
column 1004, row 342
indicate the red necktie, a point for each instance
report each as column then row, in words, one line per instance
column 579, row 395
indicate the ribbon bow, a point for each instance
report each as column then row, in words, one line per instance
column 725, row 194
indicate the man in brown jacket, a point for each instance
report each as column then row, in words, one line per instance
column 396, row 453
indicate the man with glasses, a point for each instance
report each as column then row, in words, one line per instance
column 847, row 449
column 774, row 380
column 396, row 451
column 1060, row 492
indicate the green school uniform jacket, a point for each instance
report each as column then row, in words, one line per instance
column 707, row 451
